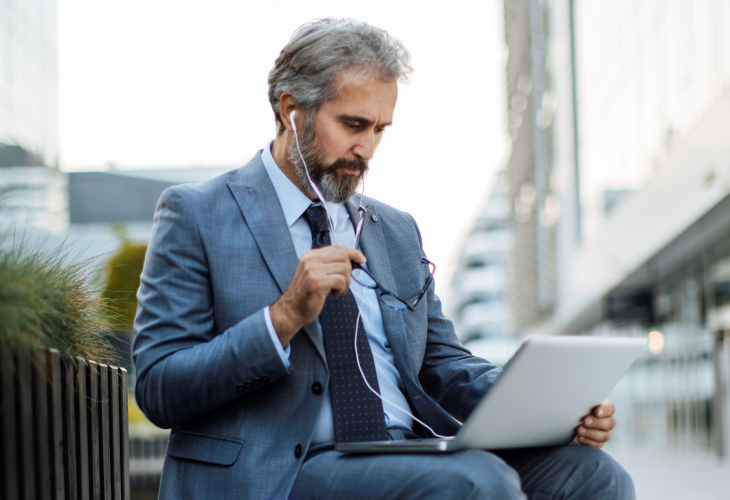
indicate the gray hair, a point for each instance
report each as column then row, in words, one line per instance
column 320, row 50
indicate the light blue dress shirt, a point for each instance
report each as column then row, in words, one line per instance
column 294, row 203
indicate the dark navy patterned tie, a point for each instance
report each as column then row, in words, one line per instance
column 358, row 413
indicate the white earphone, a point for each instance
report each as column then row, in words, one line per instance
column 292, row 115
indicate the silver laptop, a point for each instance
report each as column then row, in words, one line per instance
column 547, row 387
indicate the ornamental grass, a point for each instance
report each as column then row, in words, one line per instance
column 48, row 301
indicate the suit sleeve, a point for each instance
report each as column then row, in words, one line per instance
column 452, row 376
column 185, row 368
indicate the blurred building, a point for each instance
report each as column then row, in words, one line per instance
column 619, row 179
column 96, row 202
column 533, row 204
column 478, row 302
column 478, row 297
column 33, row 197
column 125, row 196
column 32, row 190
column 28, row 84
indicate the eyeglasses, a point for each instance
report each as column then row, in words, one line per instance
column 364, row 278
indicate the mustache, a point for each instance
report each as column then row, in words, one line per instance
column 351, row 164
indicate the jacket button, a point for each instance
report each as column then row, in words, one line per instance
column 264, row 378
column 247, row 385
column 317, row 388
column 256, row 381
column 374, row 218
column 240, row 388
column 298, row 450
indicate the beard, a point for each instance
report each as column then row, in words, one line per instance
column 336, row 186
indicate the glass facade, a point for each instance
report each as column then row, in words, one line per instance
column 29, row 79
column 646, row 73
column 635, row 106
column 33, row 198
column 533, row 207
column 34, row 191
column 674, row 400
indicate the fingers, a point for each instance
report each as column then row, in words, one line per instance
column 605, row 409
column 596, row 427
column 329, row 268
column 352, row 254
column 319, row 272
column 335, row 253
column 586, row 434
column 592, row 437
column 604, row 424
column 590, row 442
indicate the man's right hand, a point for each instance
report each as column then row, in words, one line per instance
column 319, row 272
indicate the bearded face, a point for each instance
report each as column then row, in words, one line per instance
column 333, row 180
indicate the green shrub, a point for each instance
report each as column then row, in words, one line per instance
column 46, row 300
column 122, row 281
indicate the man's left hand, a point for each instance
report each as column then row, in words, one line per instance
column 596, row 427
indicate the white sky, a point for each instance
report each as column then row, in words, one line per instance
column 183, row 83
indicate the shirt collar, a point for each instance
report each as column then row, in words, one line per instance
column 293, row 201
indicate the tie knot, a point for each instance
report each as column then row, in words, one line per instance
column 316, row 217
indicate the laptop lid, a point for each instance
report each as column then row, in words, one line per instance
column 547, row 387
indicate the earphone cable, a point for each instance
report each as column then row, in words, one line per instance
column 362, row 374
column 359, row 314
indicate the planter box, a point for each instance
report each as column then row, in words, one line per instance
column 63, row 430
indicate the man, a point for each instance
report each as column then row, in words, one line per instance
column 248, row 316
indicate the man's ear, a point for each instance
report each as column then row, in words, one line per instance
column 287, row 104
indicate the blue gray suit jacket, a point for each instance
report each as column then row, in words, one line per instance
column 207, row 368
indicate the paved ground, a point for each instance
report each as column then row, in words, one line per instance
column 667, row 478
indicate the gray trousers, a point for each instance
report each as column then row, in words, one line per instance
column 572, row 471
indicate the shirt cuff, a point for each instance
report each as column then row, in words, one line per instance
column 284, row 352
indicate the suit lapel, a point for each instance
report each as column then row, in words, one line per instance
column 262, row 211
column 374, row 246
